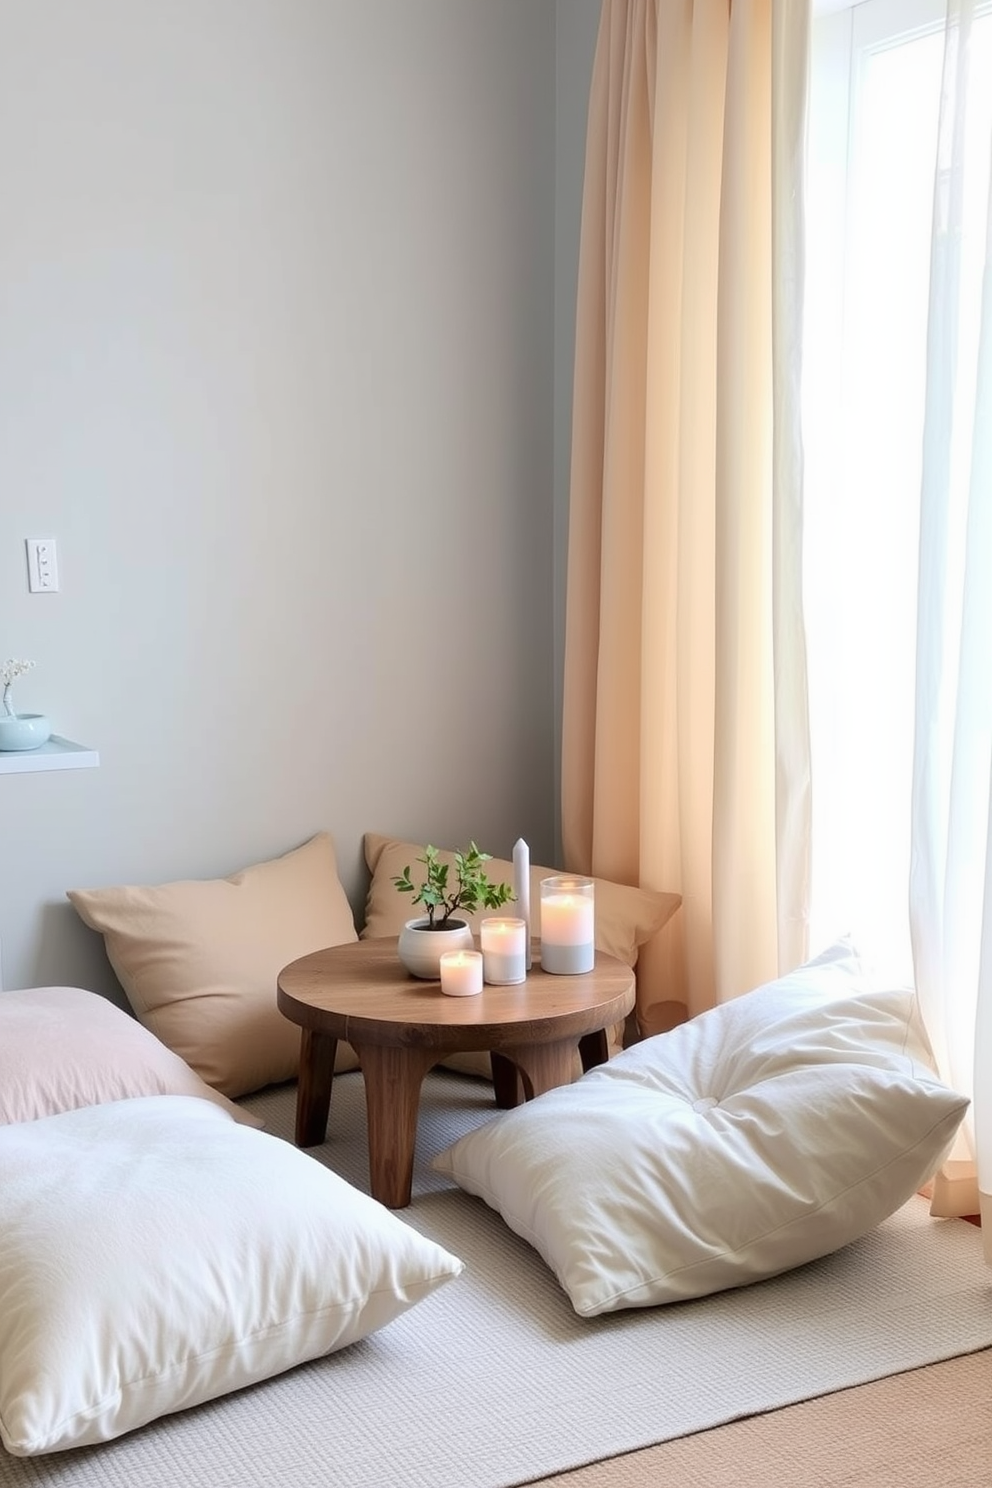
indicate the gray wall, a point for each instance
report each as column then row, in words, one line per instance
column 285, row 362
column 577, row 29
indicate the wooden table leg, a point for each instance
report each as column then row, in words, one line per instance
column 393, row 1078
column 594, row 1048
column 543, row 1066
column 506, row 1082
column 313, row 1093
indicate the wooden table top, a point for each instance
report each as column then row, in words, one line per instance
column 362, row 992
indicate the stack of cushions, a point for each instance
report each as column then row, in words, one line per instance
column 155, row 1251
column 199, row 959
column 625, row 918
column 758, row 1136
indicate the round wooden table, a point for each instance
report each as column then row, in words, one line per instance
column 400, row 1027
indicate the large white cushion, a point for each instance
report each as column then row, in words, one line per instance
column 155, row 1254
column 758, row 1136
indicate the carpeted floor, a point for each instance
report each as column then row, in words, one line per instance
column 493, row 1381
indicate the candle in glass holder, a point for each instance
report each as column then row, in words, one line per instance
column 567, row 925
column 504, row 951
column 461, row 973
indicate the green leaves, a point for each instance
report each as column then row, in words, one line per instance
column 472, row 890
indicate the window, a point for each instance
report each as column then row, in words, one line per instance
column 874, row 99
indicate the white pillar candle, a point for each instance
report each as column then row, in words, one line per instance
column 521, row 891
column 503, row 951
column 567, row 925
column 461, row 973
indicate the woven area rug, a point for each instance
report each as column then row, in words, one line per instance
column 493, row 1381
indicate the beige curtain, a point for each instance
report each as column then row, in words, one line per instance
column 685, row 756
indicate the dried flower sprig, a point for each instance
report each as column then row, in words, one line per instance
column 9, row 671
column 12, row 669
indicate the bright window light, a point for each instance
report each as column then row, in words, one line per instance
column 875, row 92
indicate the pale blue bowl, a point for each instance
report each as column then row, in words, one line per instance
column 26, row 731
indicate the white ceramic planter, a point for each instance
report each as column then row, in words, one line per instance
column 420, row 948
column 24, row 731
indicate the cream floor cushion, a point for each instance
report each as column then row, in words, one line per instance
column 758, row 1136
column 154, row 1254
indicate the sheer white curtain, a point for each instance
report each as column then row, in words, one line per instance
column 951, row 862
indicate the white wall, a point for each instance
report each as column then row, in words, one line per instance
column 278, row 342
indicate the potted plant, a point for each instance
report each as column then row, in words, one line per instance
column 19, row 731
column 443, row 894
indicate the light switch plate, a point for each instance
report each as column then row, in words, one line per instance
column 43, row 568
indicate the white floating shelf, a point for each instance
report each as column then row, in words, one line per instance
column 57, row 754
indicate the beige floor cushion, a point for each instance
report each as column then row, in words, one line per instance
column 198, row 959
